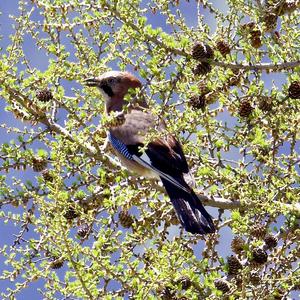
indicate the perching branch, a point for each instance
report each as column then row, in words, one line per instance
column 92, row 152
column 229, row 204
column 111, row 163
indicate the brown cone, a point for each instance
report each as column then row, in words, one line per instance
column 258, row 231
column 237, row 244
column 202, row 68
column 294, row 90
column 197, row 102
column 200, row 51
column 234, row 265
column 245, row 109
column 222, row 285
column 223, row 47
column 44, row 95
column 259, row 256
column 39, row 164
column 270, row 241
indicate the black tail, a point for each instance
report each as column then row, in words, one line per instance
column 189, row 208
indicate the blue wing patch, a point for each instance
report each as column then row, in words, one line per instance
column 119, row 146
column 122, row 148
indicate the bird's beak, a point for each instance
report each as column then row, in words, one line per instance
column 92, row 81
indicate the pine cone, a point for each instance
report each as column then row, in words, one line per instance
column 223, row 47
column 197, row 102
column 70, row 214
column 270, row 20
column 255, row 37
column 245, row 109
column 126, row 220
column 234, row 265
column 259, row 231
column 255, row 33
column 44, row 95
column 185, row 282
column 56, row 263
column 46, row 174
column 202, row 68
column 256, row 42
column 83, row 230
column 270, row 241
column 259, row 256
column 254, row 278
column 222, row 285
column 265, row 103
column 200, row 51
column 237, row 244
column 294, row 90
column 39, row 164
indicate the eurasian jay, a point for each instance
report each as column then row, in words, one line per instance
column 165, row 157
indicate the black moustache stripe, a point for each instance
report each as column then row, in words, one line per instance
column 107, row 89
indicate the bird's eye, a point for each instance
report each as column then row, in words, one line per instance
column 114, row 80
column 111, row 81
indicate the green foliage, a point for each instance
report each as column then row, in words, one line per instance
column 248, row 165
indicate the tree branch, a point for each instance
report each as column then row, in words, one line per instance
column 111, row 163
column 246, row 67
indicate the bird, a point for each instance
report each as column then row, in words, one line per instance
column 161, row 157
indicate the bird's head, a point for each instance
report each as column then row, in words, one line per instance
column 114, row 84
